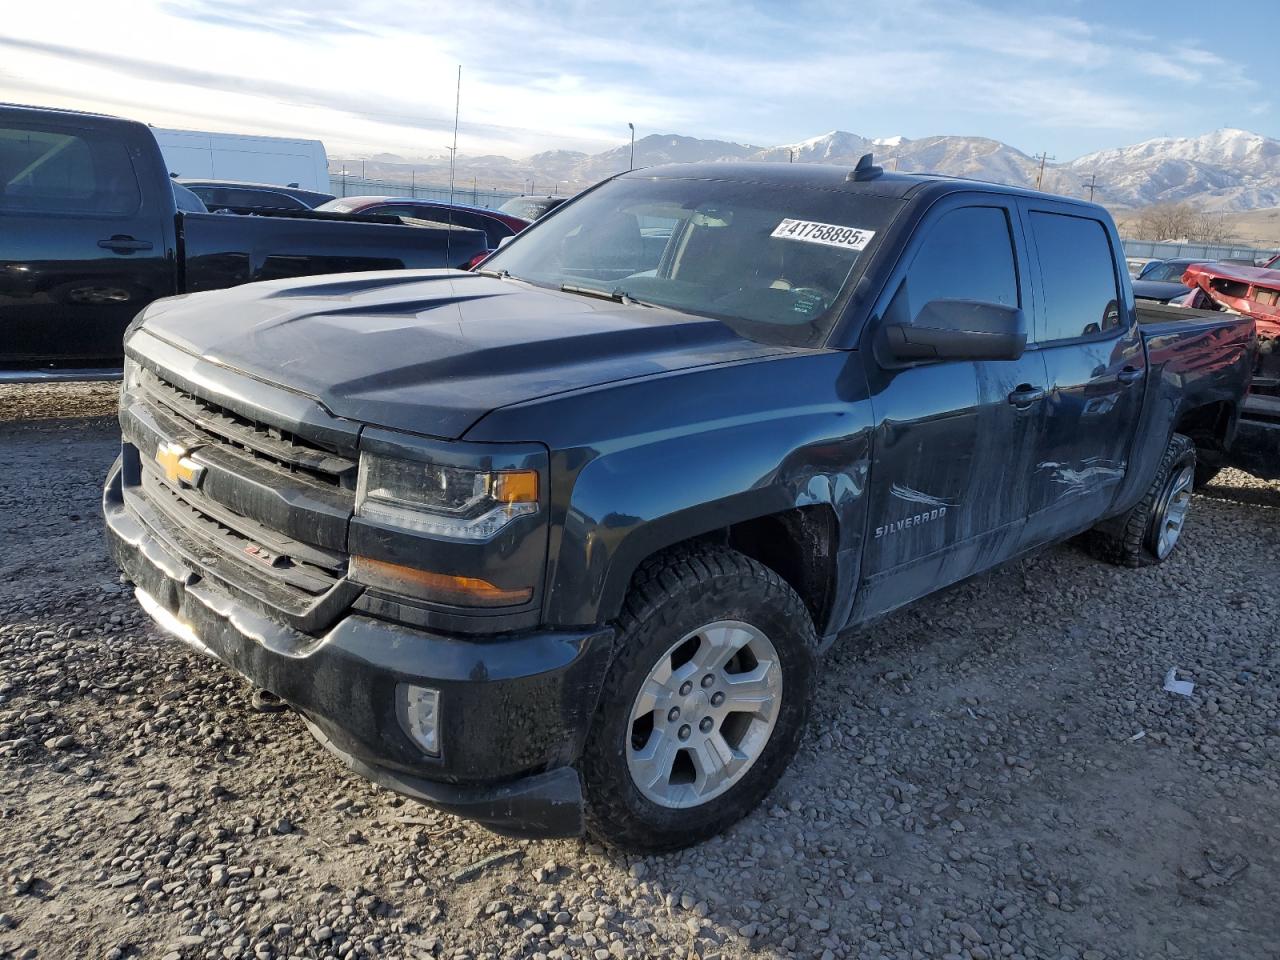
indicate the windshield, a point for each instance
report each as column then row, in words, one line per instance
column 1169, row 272
column 769, row 260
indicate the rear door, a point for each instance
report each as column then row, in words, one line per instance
column 1086, row 330
column 955, row 441
column 82, row 246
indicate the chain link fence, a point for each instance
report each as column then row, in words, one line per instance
column 1148, row 249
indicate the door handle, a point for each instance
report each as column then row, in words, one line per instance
column 1026, row 395
column 120, row 243
column 1129, row 375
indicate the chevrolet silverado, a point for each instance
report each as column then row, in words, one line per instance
column 557, row 545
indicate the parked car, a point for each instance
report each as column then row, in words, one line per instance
column 186, row 201
column 1251, row 292
column 1135, row 265
column 496, row 225
column 1161, row 280
column 91, row 232
column 531, row 208
column 558, row 544
column 246, row 197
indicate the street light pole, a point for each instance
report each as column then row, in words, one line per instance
column 633, row 146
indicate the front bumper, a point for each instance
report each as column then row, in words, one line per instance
column 514, row 709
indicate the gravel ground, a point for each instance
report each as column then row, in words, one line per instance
column 996, row 772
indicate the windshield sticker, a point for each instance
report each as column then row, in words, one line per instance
column 828, row 234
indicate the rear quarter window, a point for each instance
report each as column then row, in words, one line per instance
column 78, row 172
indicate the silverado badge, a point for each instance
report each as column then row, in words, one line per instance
column 178, row 468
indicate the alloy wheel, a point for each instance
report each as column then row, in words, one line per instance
column 704, row 714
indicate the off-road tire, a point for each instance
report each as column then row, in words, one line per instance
column 1125, row 540
column 672, row 594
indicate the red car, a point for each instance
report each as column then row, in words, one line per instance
column 496, row 225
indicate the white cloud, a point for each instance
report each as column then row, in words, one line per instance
column 379, row 75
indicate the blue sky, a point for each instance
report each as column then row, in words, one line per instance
column 378, row 76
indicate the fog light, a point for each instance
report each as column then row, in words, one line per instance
column 419, row 711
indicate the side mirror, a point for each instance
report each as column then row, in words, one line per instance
column 958, row 330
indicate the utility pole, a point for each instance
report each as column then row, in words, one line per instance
column 1093, row 183
column 1040, row 176
column 362, row 173
column 791, row 155
column 413, row 183
column 633, row 146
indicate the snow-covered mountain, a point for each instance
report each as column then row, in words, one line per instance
column 1225, row 170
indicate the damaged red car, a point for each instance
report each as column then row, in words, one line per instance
column 1250, row 292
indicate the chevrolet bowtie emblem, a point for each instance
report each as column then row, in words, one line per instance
column 178, row 468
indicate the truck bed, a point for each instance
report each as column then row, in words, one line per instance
column 1151, row 313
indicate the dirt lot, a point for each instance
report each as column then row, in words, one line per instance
column 994, row 773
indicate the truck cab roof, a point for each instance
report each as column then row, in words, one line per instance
column 825, row 176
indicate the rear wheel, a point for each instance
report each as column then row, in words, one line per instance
column 704, row 704
column 1150, row 531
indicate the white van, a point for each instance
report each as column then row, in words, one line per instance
column 193, row 154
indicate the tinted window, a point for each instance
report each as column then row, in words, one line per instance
column 240, row 197
column 967, row 254
column 48, row 171
column 1077, row 276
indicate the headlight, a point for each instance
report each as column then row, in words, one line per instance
column 441, row 500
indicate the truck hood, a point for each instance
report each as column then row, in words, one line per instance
column 433, row 351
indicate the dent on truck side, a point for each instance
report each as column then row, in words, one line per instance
column 640, row 466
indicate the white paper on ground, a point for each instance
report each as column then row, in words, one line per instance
column 1174, row 685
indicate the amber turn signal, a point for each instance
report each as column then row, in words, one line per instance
column 516, row 486
column 436, row 587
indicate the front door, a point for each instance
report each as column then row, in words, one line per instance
column 81, row 250
column 955, row 442
column 1095, row 363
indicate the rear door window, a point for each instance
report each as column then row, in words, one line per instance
column 1077, row 277
column 76, row 172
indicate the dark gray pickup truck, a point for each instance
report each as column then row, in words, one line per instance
column 90, row 234
column 557, row 545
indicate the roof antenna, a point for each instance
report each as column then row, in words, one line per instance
column 865, row 170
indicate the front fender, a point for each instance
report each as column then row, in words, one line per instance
column 640, row 466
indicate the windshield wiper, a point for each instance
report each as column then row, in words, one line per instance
column 617, row 295
column 496, row 274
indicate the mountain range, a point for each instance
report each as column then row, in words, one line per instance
column 1226, row 170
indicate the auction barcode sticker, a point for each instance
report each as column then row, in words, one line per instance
column 830, row 234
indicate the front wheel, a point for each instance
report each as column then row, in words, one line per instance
column 1148, row 533
column 705, row 703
